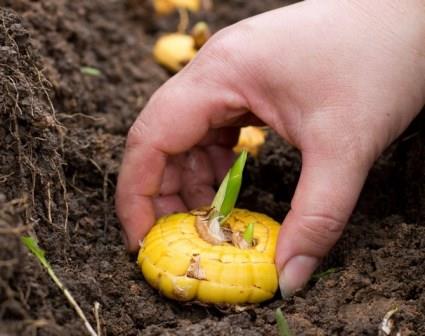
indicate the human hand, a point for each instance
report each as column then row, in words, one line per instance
column 340, row 80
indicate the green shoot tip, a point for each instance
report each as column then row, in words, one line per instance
column 228, row 193
column 282, row 324
column 248, row 235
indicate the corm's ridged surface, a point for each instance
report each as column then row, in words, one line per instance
column 224, row 274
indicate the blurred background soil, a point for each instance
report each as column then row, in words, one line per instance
column 62, row 134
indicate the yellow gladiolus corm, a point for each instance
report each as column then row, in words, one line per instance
column 251, row 139
column 165, row 7
column 177, row 259
column 174, row 51
column 200, row 33
column 218, row 254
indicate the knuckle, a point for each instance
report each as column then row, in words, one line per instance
column 220, row 44
column 323, row 230
column 225, row 46
column 136, row 133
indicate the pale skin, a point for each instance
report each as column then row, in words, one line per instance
column 339, row 80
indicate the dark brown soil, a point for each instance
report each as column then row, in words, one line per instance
column 61, row 139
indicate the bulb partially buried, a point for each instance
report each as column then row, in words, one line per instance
column 174, row 51
column 177, row 261
column 165, row 7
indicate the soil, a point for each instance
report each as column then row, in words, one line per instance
column 61, row 139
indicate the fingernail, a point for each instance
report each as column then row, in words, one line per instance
column 296, row 273
column 124, row 239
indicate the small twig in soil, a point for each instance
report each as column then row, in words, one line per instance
column 33, row 176
column 184, row 20
column 73, row 184
column 34, row 325
column 81, row 115
column 6, row 33
column 105, row 201
column 18, row 203
column 65, row 199
column 410, row 136
column 387, row 325
column 59, row 127
column 4, row 178
column 105, row 174
column 23, row 297
column 22, row 157
column 15, row 131
column 49, row 203
column 37, row 323
column 32, row 246
column 97, row 166
column 96, row 309
column 15, row 231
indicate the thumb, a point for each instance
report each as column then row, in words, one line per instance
column 326, row 194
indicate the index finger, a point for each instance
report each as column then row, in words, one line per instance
column 176, row 118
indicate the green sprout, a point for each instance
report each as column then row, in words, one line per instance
column 228, row 193
column 282, row 324
column 90, row 71
column 317, row 276
column 248, row 235
column 33, row 247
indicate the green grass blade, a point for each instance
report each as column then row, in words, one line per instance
column 228, row 193
column 39, row 253
column 90, row 71
column 317, row 276
column 282, row 324
column 32, row 245
column 248, row 235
